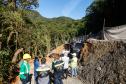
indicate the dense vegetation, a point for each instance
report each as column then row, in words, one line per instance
column 23, row 27
column 110, row 12
column 26, row 28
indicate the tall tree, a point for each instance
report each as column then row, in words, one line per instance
column 110, row 10
column 24, row 4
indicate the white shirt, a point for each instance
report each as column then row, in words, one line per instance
column 66, row 61
column 65, row 52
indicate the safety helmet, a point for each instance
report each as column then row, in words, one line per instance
column 26, row 56
column 74, row 54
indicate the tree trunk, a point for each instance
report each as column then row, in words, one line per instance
column 16, row 54
column 8, row 39
column 15, row 7
column 36, row 50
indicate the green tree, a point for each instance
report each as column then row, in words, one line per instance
column 23, row 4
column 109, row 10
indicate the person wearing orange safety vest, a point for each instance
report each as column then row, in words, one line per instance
column 25, row 69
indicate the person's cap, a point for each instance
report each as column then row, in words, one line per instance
column 26, row 56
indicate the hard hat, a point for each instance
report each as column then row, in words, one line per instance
column 26, row 56
column 74, row 54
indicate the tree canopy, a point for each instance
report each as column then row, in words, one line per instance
column 112, row 11
column 23, row 4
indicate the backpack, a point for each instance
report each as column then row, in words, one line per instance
column 43, row 71
column 43, row 74
column 58, row 65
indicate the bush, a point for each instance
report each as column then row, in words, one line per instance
column 5, row 62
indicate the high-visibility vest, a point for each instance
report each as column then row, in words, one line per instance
column 73, row 63
column 24, row 69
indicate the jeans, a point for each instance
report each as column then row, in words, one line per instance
column 74, row 72
column 58, row 78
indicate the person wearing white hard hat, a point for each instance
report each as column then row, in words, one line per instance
column 73, row 65
column 25, row 69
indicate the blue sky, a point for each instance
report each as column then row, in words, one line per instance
column 69, row 8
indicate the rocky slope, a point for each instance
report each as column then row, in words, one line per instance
column 105, row 63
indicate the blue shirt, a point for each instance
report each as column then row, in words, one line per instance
column 36, row 65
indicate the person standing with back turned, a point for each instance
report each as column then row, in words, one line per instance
column 65, row 59
column 57, row 66
column 36, row 65
column 43, row 73
column 74, row 65
column 25, row 69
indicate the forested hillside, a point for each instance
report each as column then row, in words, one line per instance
column 107, row 13
column 23, row 27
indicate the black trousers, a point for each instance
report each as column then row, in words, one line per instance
column 28, row 79
column 65, row 73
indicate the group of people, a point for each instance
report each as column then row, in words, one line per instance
column 61, row 66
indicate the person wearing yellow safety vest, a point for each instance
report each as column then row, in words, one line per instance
column 73, row 65
column 25, row 69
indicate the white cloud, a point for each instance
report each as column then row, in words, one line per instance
column 70, row 7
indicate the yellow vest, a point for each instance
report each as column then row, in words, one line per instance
column 74, row 62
